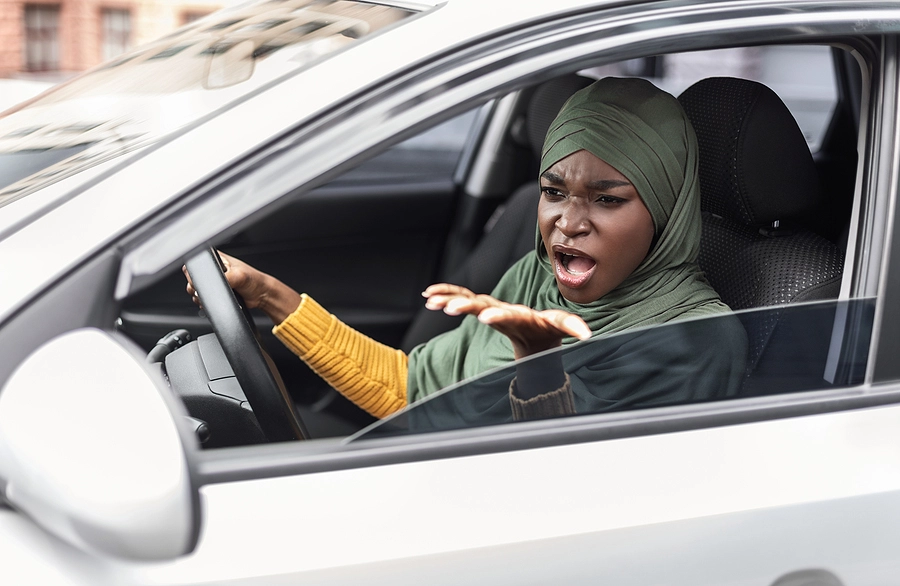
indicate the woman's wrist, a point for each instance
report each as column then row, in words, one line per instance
column 279, row 301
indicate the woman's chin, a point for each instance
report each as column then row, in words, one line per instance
column 579, row 295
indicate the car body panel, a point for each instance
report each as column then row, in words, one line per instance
column 724, row 503
column 829, row 485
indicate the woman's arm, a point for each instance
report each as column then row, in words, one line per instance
column 367, row 372
column 256, row 288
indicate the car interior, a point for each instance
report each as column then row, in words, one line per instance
column 776, row 222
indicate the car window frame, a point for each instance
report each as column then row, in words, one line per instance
column 252, row 462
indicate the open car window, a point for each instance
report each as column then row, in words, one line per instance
column 396, row 220
column 789, row 349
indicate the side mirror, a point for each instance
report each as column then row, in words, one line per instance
column 92, row 449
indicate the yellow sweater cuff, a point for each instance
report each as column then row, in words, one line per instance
column 304, row 328
column 367, row 372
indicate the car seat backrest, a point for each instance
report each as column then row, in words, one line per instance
column 512, row 228
column 757, row 180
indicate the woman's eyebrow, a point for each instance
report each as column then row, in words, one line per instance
column 604, row 184
column 553, row 178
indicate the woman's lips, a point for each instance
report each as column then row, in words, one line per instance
column 573, row 270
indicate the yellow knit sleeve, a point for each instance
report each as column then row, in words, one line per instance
column 367, row 372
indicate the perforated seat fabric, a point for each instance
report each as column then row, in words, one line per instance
column 512, row 235
column 756, row 169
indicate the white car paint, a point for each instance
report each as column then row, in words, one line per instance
column 447, row 521
column 538, row 508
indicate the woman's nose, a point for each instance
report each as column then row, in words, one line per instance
column 573, row 221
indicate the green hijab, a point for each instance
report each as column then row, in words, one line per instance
column 644, row 134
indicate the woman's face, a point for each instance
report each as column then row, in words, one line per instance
column 594, row 226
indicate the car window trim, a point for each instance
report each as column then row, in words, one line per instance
column 883, row 366
column 296, row 458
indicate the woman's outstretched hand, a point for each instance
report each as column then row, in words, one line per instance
column 258, row 289
column 529, row 330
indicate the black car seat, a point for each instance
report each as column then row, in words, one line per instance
column 758, row 180
column 512, row 233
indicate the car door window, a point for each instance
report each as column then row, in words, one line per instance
column 392, row 233
column 806, row 347
column 790, row 348
column 434, row 154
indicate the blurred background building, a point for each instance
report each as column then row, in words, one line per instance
column 51, row 39
column 43, row 42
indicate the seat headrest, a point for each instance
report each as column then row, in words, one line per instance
column 546, row 102
column 755, row 165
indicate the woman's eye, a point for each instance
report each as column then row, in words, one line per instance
column 551, row 192
column 609, row 200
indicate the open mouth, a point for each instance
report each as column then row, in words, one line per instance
column 573, row 270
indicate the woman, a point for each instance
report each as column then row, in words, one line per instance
column 618, row 236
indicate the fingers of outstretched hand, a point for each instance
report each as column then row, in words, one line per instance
column 453, row 299
column 511, row 319
column 457, row 305
column 446, row 289
column 568, row 323
column 506, row 314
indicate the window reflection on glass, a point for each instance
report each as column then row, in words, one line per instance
column 42, row 37
column 171, row 82
column 116, row 32
column 808, row 347
column 191, row 16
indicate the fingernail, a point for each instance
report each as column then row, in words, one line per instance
column 455, row 304
column 488, row 315
column 578, row 326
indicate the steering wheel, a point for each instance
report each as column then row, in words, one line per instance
column 237, row 334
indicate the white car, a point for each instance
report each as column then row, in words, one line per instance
column 363, row 150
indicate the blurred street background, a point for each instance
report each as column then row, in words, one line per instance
column 44, row 42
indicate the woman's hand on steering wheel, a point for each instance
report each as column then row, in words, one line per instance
column 256, row 288
column 529, row 330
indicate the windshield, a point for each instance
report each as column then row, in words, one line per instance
column 800, row 347
column 165, row 85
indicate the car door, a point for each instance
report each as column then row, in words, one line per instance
column 754, row 490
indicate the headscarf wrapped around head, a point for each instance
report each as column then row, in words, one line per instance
column 644, row 134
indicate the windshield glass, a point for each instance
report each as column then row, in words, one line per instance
column 792, row 348
column 165, row 85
